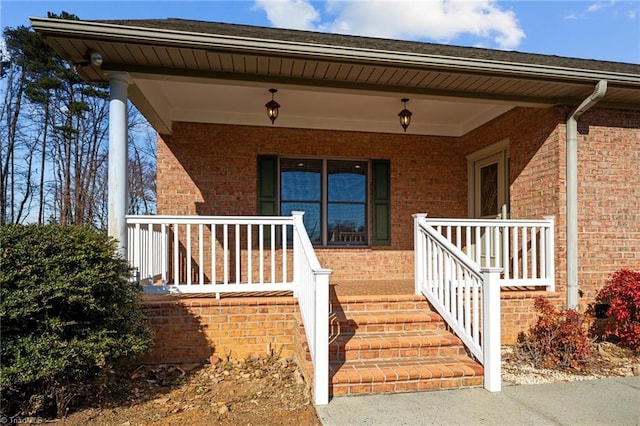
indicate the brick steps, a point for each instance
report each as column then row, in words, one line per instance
column 403, row 375
column 421, row 343
column 384, row 321
column 382, row 344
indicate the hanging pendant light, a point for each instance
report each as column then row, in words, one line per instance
column 272, row 107
column 405, row 115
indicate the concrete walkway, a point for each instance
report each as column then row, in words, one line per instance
column 612, row 401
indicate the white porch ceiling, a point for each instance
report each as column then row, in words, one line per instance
column 303, row 107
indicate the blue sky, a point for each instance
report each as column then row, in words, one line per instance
column 604, row 30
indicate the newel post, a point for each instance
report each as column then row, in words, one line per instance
column 321, row 361
column 491, row 333
column 418, row 253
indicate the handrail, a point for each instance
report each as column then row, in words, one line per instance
column 464, row 294
column 524, row 249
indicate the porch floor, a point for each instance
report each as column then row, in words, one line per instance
column 369, row 289
column 346, row 288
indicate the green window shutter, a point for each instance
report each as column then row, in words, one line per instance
column 381, row 202
column 267, row 185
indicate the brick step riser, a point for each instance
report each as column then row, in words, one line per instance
column 405, row 386
column 379, row 306
column 340, row 354
column 350, row 328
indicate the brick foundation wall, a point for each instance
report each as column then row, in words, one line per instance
column 190, row 330
column 518, row 314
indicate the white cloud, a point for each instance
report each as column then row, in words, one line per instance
column 440, row 20
column 594, row 7
column 293, row 14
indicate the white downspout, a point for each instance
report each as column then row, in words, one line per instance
column 572, row 191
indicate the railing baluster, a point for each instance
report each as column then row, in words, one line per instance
column 496, row 247
column 505, row 252
column 249, row 254
column 225, row 253
column 201, row 254
column 516, row 259
column 137, row 252
column 214, row 248
column 273, row 254
column 238, row 250
column 284, row 253
column 525, row 254
column 164, row 253
column 467, row 303
column 189, row 254
column 534, row 253
column 176, row 255
column 478, row 246
column 150, row 271
column 475, row 309
column 261, row 251
column 487, row 246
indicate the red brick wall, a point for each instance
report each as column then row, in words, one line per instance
column 189, row 330
column 211, row 170
column 609, row 196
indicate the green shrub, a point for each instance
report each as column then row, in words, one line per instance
column 622, row 295
column 67, row 310
column 559, row 338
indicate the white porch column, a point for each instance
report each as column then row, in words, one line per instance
column 118, row 156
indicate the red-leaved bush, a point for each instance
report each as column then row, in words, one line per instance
column 622, row 294
column 559, row 338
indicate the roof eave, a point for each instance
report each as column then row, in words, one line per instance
column 109, row 32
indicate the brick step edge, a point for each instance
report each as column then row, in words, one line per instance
column 379, row 376
column 336, row 306
column 402, row 345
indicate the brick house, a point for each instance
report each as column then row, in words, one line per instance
column 525, row 166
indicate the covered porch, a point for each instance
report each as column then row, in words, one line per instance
column 486, row 139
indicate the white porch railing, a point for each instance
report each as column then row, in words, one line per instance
column 523, row 249
column 213, row 254
column 464, row 294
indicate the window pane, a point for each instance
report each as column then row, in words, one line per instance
column 489, row 190
column 346, row 223
column 311, row 218
column 300, row 180
column 347, row 180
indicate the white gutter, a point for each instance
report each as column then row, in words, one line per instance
column 572, row 191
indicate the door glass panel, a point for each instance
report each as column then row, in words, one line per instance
column 489, row 190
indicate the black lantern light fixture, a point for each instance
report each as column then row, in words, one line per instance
column 405, row 115
column 272, row 107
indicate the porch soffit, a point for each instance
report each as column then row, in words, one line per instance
column 186, row 76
